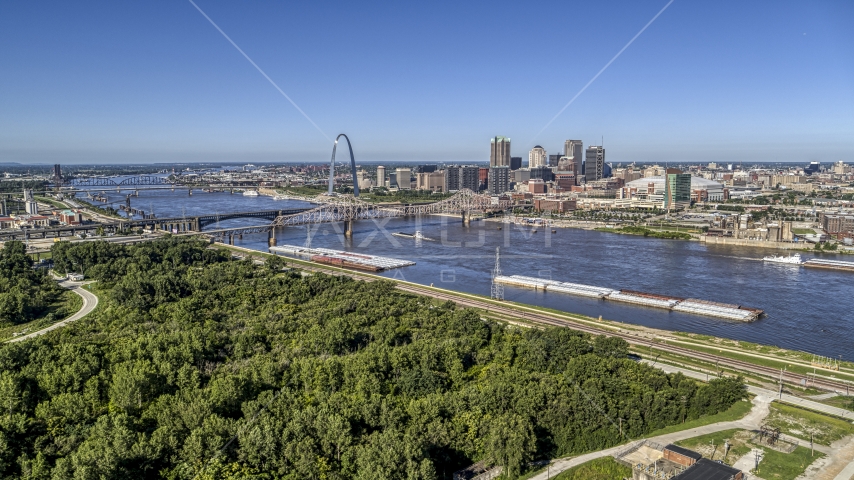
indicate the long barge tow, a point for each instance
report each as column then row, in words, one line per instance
column 676, row 304
column 830, row 264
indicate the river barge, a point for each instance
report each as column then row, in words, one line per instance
column 654, row 300
column 340, row 258
column 415, row 236
column 830, row 264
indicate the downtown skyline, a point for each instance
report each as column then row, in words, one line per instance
column 157, row 83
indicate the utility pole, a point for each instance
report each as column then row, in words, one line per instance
column 497, row 291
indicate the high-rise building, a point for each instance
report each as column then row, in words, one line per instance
column 677, row 189
column 460, row 177
column 432, row 181
column 594, row 163
column 515, row 163
column 554, row 159
column 537, row 157
column 404, row 178
column 499, row 153
column 470, row 177
column 57, row 173
column 381, row 176
column 499, row 180
column 573, row 149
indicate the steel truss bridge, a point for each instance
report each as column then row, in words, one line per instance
column 348, row 209
column 128, row 182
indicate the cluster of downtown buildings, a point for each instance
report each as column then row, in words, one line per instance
column 574, row 167
column 551, row 182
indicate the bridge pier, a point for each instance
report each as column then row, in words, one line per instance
column 271, row 237
column 348, row 228
column 231, row 239
column 190, row 191
column 466, row 219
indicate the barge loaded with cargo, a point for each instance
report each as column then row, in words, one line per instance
column 830, row 264
column 676, row 304
column 339, row 258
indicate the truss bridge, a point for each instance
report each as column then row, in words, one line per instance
column 348, row 209
column 128, row 182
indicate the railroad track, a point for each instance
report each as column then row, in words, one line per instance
column 546, row 319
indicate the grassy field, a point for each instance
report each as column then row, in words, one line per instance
column 67, row 304
column 785, row 466
column 605, row 468
column 735, row 412
column 774, row 466
column 711, row 446
column 51, row 202
column 800, row 423
column 803, row 231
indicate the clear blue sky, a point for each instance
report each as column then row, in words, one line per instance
column 108, row 81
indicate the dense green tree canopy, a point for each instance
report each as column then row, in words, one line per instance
column 24, row 293
column 315, row 377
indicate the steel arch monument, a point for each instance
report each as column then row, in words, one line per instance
column 352, row 166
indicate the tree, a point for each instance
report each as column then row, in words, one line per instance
column 510, row 442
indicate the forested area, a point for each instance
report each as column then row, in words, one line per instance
column 25, row 293
column 359, row 380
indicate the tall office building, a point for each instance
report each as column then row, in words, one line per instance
column 381, row 176
column 499, row 180
column 404, row 178
column 554, row 159
column 594, row 163
column 574, row 150
column 515, row 163
column 677, row 189
column 57, row 173
column 499, row 153
column 537, row 157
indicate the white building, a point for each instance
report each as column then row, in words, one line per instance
column 537, row 157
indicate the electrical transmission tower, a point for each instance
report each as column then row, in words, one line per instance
column 497, row 292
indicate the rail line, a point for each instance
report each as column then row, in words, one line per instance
column 545, row 319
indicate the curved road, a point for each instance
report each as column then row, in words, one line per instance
column 90, row 301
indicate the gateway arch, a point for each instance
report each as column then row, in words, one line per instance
column 352, row 166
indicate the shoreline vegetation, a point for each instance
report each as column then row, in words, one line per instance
column 339, row 378
column 647, row 232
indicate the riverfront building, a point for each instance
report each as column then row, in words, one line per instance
column 460, row 177
column 653, row 189
column 499, row 180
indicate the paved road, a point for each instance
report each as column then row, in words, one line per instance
column 751, row 421
column 786, row 398
column 90, row 301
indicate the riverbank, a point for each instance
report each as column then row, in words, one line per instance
column 764, row 356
